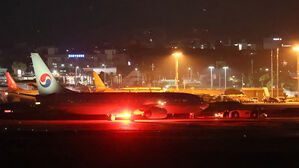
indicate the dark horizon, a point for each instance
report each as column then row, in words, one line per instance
column 92, row 22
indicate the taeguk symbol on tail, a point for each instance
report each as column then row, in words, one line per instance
column 45, row 80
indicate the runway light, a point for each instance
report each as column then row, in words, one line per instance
column 126, row 114
column 8, row 111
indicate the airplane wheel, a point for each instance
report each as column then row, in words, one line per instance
column 170, row 116
column 253, row 114
column 226, row 115
column 235, row 114
column 132, row 118
column 191, row 115
column 109, row 117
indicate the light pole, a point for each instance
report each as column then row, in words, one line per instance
column 277, row 72
column 296, row 48
column 211, row 69
column 177, row 55
column 136, row 69
column 190, row 73
column 272, row 75
column 225, row 68
column 103, row 65
column 77, row 67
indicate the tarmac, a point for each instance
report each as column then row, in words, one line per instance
column 150, row 143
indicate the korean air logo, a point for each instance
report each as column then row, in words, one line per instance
column 45, row 80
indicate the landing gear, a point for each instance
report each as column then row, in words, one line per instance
column 235, row 114
column 170, row 116
column 191, row 115
column 226, row 115
column 132, row 118
column 254, row 114
column 111, row 117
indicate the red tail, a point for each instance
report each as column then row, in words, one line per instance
column 10, row 82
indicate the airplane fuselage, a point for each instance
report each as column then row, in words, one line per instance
column 105, row 103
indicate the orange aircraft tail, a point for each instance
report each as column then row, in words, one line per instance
column 10, row 82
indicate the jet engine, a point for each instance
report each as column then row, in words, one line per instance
column 156, row 113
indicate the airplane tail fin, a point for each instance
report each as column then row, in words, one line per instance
column 10, row 82
column 100, row 86
column 46, row 83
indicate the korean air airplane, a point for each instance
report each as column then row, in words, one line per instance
column 149, row 105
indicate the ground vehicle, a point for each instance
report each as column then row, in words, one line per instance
column 291, row 99
column 271, row 100
column 237, row 114
column 254, row 99
column 281, row 99
column 234, row 110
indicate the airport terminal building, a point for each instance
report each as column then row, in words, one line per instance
column 77, row 67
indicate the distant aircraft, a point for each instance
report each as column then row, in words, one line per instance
column 100, row 87
column 17, row 94
column 113, row 104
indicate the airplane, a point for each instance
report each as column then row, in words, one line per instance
column 17, row 94
column 101, row 87
column 125, row 105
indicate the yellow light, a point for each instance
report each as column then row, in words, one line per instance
column 126, row 114
column 161, row 103
column 296, row 48
column 138, row 112
column 177, row 54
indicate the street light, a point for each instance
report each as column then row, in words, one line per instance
column 177, row 55
column 211, row 69
column 225, row 68
column 136, row 69
column 296, row 48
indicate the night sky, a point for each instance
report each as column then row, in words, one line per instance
column 93, row 21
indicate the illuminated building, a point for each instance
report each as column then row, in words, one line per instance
column 78, row 66
column 272, row 43
column 2, row 75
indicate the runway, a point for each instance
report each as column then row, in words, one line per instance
column 204, row 142
column 143, row 125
